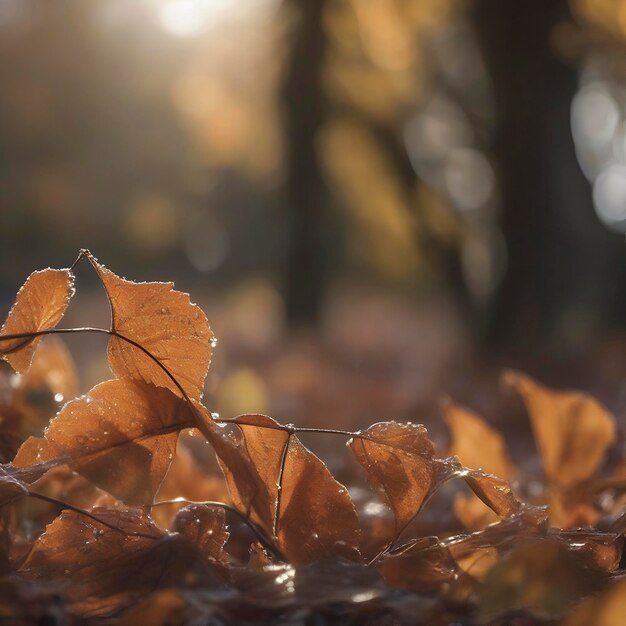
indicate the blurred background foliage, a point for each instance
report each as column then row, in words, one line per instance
column 418, row 181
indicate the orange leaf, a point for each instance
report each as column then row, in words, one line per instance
column 166, row 324
column 251, row 488
column 475, row 443
column 317, row 517
column 121, row 436
column 265, row 446
column 39, row 305
column 494, row 492
column 399, row 459
column 103, row 566
column 572, row 430
column 204, row 527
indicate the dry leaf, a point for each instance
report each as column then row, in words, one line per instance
column 100, row 569
column 399, row 459
column 494, row 492
column 121, row 436
column 265, row 446
column 248, row 491
column 317, row 517
column 475, row 443
column 166, row 324
column 573, row 431
column 39, row 305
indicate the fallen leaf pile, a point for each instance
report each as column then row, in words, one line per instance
column 107, row 516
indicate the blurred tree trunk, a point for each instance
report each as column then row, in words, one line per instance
column 306, row 195
column 561, row 265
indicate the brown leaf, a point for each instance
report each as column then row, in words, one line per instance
column 399, row 459
column 39, row 305
column 249, row 492
column 37, row 395
column 166, row 324
column 99, row 569
column 121, row 436
column 572, row 430
column 187, row 479
column 422, row 566
column 317, row 517
column 475, row 443
column 265, row 446
column 494, row 492
column 204, row 526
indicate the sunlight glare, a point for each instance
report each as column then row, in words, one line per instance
column 189, row 18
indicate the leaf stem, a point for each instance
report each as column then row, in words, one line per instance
column 260, row 535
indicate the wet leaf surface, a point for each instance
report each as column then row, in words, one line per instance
column 204, row 526
column 72, row 553
column 166, row 324
column 39, row 305
column 102, row 567
column 399, row 460
column 121, row 436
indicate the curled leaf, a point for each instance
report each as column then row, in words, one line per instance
column 494, row 492
column 317, row 517
column 121, row 436
column 572, row 430
column 399, row 459
column 251, row 487
column 39, row 305
column 204, row 527
column 314, row 515
column 166, row 324
column 265, row 445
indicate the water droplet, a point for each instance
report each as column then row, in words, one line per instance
column 59, row 397
column 213, row 341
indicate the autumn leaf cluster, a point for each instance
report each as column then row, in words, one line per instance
column 87, row 532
